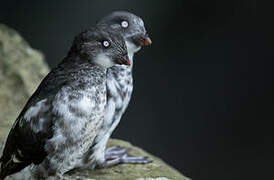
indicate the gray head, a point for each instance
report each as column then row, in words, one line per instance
column 130, row 26
column 101, row 46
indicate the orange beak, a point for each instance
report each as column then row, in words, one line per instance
column 145, row 41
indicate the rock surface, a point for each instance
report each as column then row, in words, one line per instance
column 157, row 170
column 21, row 70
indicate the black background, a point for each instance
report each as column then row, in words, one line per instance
column 203, row 97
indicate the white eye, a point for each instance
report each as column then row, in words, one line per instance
column 124, row 24
column 105, row 43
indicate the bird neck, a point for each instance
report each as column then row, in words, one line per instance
column 77, row 62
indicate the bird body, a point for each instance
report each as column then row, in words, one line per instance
column 66, row 122
column 59, row 123
column 78, row 110
column 119, row 81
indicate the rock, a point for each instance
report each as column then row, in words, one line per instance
column 159, row 178
column 21, row 70
column 157, row 170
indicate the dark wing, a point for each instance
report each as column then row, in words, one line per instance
column 25, row 142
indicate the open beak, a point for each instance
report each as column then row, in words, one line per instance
column 123, row 60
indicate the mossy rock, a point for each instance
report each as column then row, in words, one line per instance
column 157, row 170
column 21, row 70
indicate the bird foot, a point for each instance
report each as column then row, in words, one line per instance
column 114, row 152
column 118, row 155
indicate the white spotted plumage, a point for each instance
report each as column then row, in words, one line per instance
column 119, row 87
column 34, row 110
column 59, row 123
column 119, row 80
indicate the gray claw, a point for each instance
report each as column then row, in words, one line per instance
column 134, row 160
column 115, row 152
column 117, row 155
column 113, row 148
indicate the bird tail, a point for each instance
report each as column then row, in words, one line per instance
column 10, row 168
column 1, row 175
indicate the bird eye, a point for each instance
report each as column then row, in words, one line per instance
column 105, row 43
column 124, row 24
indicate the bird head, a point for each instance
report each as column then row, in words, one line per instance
column 131, row 27
column 102, row 46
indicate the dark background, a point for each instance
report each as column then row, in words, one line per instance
column 203, row 97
